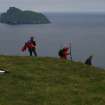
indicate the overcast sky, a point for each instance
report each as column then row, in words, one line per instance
column 55, row 5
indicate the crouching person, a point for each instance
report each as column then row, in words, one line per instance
column 63, row 53
column 89, row 60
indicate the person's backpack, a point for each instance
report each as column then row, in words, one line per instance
column 60, row 53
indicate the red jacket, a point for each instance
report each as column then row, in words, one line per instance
column 65, row 53
column 28, row 45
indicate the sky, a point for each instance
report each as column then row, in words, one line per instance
column 55, row 5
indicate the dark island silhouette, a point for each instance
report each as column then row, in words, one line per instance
column 16, row 16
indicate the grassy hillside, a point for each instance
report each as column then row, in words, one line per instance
column 50, row 81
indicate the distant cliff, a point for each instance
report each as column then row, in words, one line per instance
column 17, row 16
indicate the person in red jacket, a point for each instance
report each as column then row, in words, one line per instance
column 63, row 53
column 31, row 46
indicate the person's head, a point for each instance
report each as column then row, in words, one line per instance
column 90, row 57
column 31, row 38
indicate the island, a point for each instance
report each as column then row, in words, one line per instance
column 16, row 16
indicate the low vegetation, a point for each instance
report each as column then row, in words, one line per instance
column 50, row 81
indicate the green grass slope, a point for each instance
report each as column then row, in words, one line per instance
column 50, row 81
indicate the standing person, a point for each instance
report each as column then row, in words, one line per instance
column 63, row 53
column 31, row 46
column 89, row 60
column 33, row 49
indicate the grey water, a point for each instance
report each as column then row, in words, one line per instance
column 85, row 31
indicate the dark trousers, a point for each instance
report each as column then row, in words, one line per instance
column 32, row 51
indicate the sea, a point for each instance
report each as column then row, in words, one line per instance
column 84, row 32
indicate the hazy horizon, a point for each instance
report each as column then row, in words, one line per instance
column 75, row 6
